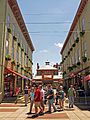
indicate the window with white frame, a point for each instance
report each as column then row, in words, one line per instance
column 85, row 49
column 78, row 54
column 8, row 21
column 13, row 29
column 83, row 24
column 7, row 44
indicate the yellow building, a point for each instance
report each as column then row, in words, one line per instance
column 16, row 49
column 76, row 49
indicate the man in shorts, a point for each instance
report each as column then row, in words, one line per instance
column 37, row 99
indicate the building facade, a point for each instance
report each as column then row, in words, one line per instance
column 75, row 52
column 16, row 49
column 48, row 75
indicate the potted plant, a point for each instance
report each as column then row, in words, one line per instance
column 19, row 44
column 64, row 72
column 71, row 49
column 25, row 53
column 14, row 38
column 70, row 68
column 13, row 62
column 9, row 30
column 77, row 39
column 82, row 33
column 74, row 66
column 18, row 64
column 8, row 57
column 74, row 45
column 22, row 68
column 22, row 49
column 68, row 52
column 84, row 59
column 78, row 63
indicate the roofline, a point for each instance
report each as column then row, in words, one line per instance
column 17, row 13
column 77, row 16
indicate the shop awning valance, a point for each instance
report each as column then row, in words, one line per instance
column 8, row 70
column 86, row 78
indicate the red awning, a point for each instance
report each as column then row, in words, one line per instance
column 86, row 78
column 8, row 70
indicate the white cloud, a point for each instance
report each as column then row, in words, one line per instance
column 60, row 45
column 43, row 51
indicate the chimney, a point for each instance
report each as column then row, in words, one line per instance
column 37, row 65
column 56, row 65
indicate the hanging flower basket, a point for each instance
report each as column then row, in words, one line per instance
column 74, row 66
column 84, row 59
column 71, row 49
column 9, row 30
column 64, row 72
column 22, row 49
column 14, row 38
column 22, row 68
column 73, row 45
column 8, row 57
column 68, row 52
column 19, row 44
column 70, row 68
column 78, row 63
column 18, row 65
column 25, row 53
column 77, row 39
column 13, row 62
column 82, row 33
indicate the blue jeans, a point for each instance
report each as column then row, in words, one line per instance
column 51, row 103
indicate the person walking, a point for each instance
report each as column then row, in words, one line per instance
column 61, row 96
column 26, row 95
column 50, row 98
column 57, row 90
column 71, row 96
column 37, row 98
column 31, row 99
column 42, row 96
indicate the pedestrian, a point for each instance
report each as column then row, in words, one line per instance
column 37, row 98
column 50, row 98
column 31, row 99
column 42, row 96
column 61, row 96
column 26, row 95
column 71, row 95
column 57, row 90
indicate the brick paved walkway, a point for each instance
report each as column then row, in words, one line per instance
column 19, row 112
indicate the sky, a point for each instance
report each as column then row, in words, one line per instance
column 48, row 23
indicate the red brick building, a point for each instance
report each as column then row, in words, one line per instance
column 47, row 74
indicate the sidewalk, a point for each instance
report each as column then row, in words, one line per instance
column 19, row 112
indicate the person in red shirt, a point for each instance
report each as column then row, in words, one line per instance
column 37, row 100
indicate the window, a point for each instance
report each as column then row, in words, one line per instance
column 85, row 49
column 13, row 30
column 8, row 21
column 12, row 48
column 83, row 24
column 78, row 54
column 7, row 44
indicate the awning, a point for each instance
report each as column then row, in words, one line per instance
column 8, row 70
column 86, row 78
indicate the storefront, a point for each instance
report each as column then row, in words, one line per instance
column 13, row 81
